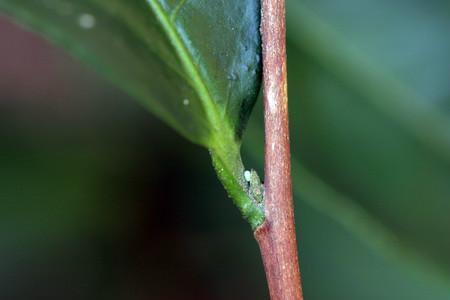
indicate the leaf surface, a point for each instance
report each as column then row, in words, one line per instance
column 195, row 64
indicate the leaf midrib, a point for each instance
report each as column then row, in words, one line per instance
column 224, row 148
column 220, row 126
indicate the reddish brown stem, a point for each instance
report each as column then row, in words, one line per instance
column 276, row 237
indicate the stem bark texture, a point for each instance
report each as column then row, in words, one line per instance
column 276, row 236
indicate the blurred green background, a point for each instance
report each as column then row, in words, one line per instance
column 100, row 200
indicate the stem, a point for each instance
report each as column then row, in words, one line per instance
column 276, row 236
column 230, row 170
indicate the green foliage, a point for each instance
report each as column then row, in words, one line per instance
column 369, row 99
column 195, row 64
column 371, row 120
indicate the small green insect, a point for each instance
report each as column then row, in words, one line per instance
column 255, row 187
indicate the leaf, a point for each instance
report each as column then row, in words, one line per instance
column 371, row 120
column 195, row 64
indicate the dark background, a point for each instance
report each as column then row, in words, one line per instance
column 100, row 200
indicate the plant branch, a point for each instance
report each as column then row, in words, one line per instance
column 276, row 237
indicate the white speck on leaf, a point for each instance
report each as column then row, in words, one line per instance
column 185, row 102
column 86, row 21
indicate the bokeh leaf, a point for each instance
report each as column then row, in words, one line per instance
column 371, row 117
column 196, row 64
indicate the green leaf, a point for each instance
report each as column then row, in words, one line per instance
column 369, row 99
column 195, row 64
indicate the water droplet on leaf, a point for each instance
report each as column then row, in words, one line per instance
column 86, row 21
